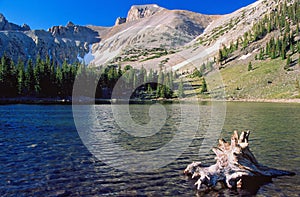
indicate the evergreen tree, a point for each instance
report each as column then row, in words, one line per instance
column 204, row 86
column 250, row 66
column 160, row 83
column 21, row 77
column 58, row 81
column 8, row 77
column 149, row 89
column 288, row 62
column 29, row 79
column 261, row 54
column 283, row 51
column 220, row 57
column 171, row 80
column 180, row 89
column 245, row 40
column 120, row 73
column 167, row 87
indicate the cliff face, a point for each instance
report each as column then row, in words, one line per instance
column 142, row 11
column 146, row 26
column 59, row 43
column 75, row 32
column 7, row 26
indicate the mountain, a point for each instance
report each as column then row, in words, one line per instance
column 255, row 49
column 147, row 30
column 7, row 26
column 145, row 27
column 60, row 43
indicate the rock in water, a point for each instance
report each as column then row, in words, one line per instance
column 235, row 166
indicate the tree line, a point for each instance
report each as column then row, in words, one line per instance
column 283, row 17
column 41, row 78
column 46, row 79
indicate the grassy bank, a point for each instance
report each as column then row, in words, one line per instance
column 267, row 81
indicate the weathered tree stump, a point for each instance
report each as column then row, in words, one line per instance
column 235, row 164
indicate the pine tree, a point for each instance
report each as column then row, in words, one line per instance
column 245, row 40
column 38, row 76
column 180, row 89
column 21, row 77
column 58, row 81
column 149, row 89
column 171, row 80
column 204, row 86
column 236, row 45
column 261, row 54
column 3, row 73
column 8, row 77
column 250, row 66
column 220, row 57
column 29, row 79
column 288, row 62
column 160, row 83
column 167, row 86
column 120, row 73
column 283, row 50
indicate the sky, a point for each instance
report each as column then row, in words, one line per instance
column 45, row 14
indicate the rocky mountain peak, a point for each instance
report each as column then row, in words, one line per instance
column 25, row 27
column 2, row 17
column 120, row 20
column 70, row 24
column 142, row 11
column 7, row 26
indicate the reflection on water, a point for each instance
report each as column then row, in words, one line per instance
column 43, row 155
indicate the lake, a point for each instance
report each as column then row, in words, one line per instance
column 42, row 154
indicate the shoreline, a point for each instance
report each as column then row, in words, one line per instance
column 55, row 101
column 267, row 100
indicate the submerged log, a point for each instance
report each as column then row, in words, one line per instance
column 235, row 164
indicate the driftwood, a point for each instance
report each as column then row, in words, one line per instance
column 235, row 164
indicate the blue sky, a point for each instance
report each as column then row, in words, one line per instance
column 44, row 14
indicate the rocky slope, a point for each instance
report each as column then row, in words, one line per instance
column 221, row 30
column 146, row 27
column 148, row 30
column 149, row 35
column 59, row 43
column 7, row 26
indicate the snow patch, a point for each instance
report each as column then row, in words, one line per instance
column 208, row 26
column 201, row 55
column 245, row 56
column 56, row 41
column 88, row 58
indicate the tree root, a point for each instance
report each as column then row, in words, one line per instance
column 235, row 163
